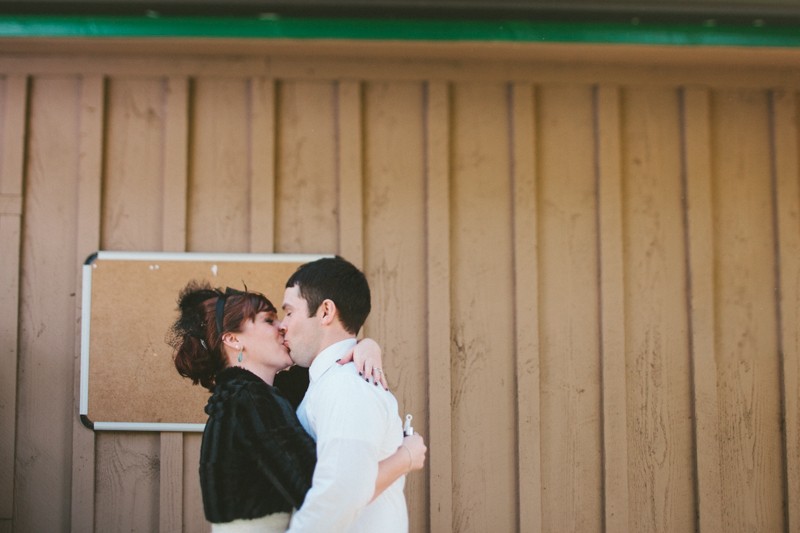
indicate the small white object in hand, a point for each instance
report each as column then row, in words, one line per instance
column 407, row 429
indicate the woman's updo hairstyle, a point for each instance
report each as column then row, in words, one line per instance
column 205, row 314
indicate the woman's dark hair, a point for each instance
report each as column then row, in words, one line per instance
column 335, row 279
column 205, row 314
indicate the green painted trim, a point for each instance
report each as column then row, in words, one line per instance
column 393, row 29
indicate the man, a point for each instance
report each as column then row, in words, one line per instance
column 354, row 422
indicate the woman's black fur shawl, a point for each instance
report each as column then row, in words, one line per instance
column 252, row 431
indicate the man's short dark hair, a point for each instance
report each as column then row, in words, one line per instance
column 338, row 280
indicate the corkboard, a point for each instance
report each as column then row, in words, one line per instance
column 128, row 380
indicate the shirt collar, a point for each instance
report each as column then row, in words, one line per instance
column 328, row 357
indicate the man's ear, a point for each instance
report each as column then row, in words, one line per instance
column 327, row 312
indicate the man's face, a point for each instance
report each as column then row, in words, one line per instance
column 303, row 333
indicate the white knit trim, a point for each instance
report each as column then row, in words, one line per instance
column 272, row 523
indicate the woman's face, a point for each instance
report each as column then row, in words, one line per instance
column 263, row 342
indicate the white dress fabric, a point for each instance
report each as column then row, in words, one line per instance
column 273, row 523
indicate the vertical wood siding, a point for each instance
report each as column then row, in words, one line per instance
column 394, row 156
column 586, row 282
column 439, row 426
column 48, row 292
column 13, row 106
column 659, row 393
column 699, row 236
column 571, row 418
column 484, row 469
column 608, row 143
column 526, row 340
column 787, row 223
column 89, row 194
column 747, row 355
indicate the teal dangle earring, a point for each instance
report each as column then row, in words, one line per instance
column 239, row 358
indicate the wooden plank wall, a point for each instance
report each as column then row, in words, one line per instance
column 13, row 102
column 586, row 279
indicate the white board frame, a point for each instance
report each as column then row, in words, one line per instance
column 86, row 313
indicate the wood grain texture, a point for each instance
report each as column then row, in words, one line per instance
column 90, row 179
column 175, row 171
column 483, row 387
column 547, row 65
column 14, row 93
column 219, row 210
column 394, row 242
column 127, row 490
column 575, row 254
column 701, row 304
column 243, row 57
column 136, row 134
column 174, row 180
column 526, row 310
column 786, row 122
column 657, row 345
column 134, row 164
column 9, row 293
column 601, row 54
column 193, row 515
column 48, row 295
column 610, row 212
column 307, row 198
column 349, row 171
column 170, row 469
column 568, row 311
column 13, row 106
column 438, row 283
column 748, row 362
column 261, row 152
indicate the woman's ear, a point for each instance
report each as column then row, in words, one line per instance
column 229, row 339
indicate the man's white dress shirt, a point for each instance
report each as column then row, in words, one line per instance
column 355, row 425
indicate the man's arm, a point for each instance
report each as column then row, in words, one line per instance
column 350, row 427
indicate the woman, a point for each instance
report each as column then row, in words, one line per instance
column 256, row 461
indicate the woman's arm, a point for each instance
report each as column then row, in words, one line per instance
column 409, row 456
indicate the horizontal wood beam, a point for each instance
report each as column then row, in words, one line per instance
column 593, row 10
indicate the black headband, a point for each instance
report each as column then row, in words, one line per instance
column 220, row 309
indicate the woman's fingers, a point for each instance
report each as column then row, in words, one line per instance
column 382, row 379
column 347, row 358
column 376, row 376
column 366, row 369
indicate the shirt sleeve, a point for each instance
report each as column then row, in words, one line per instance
column 278, row 443
column 349, row 432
